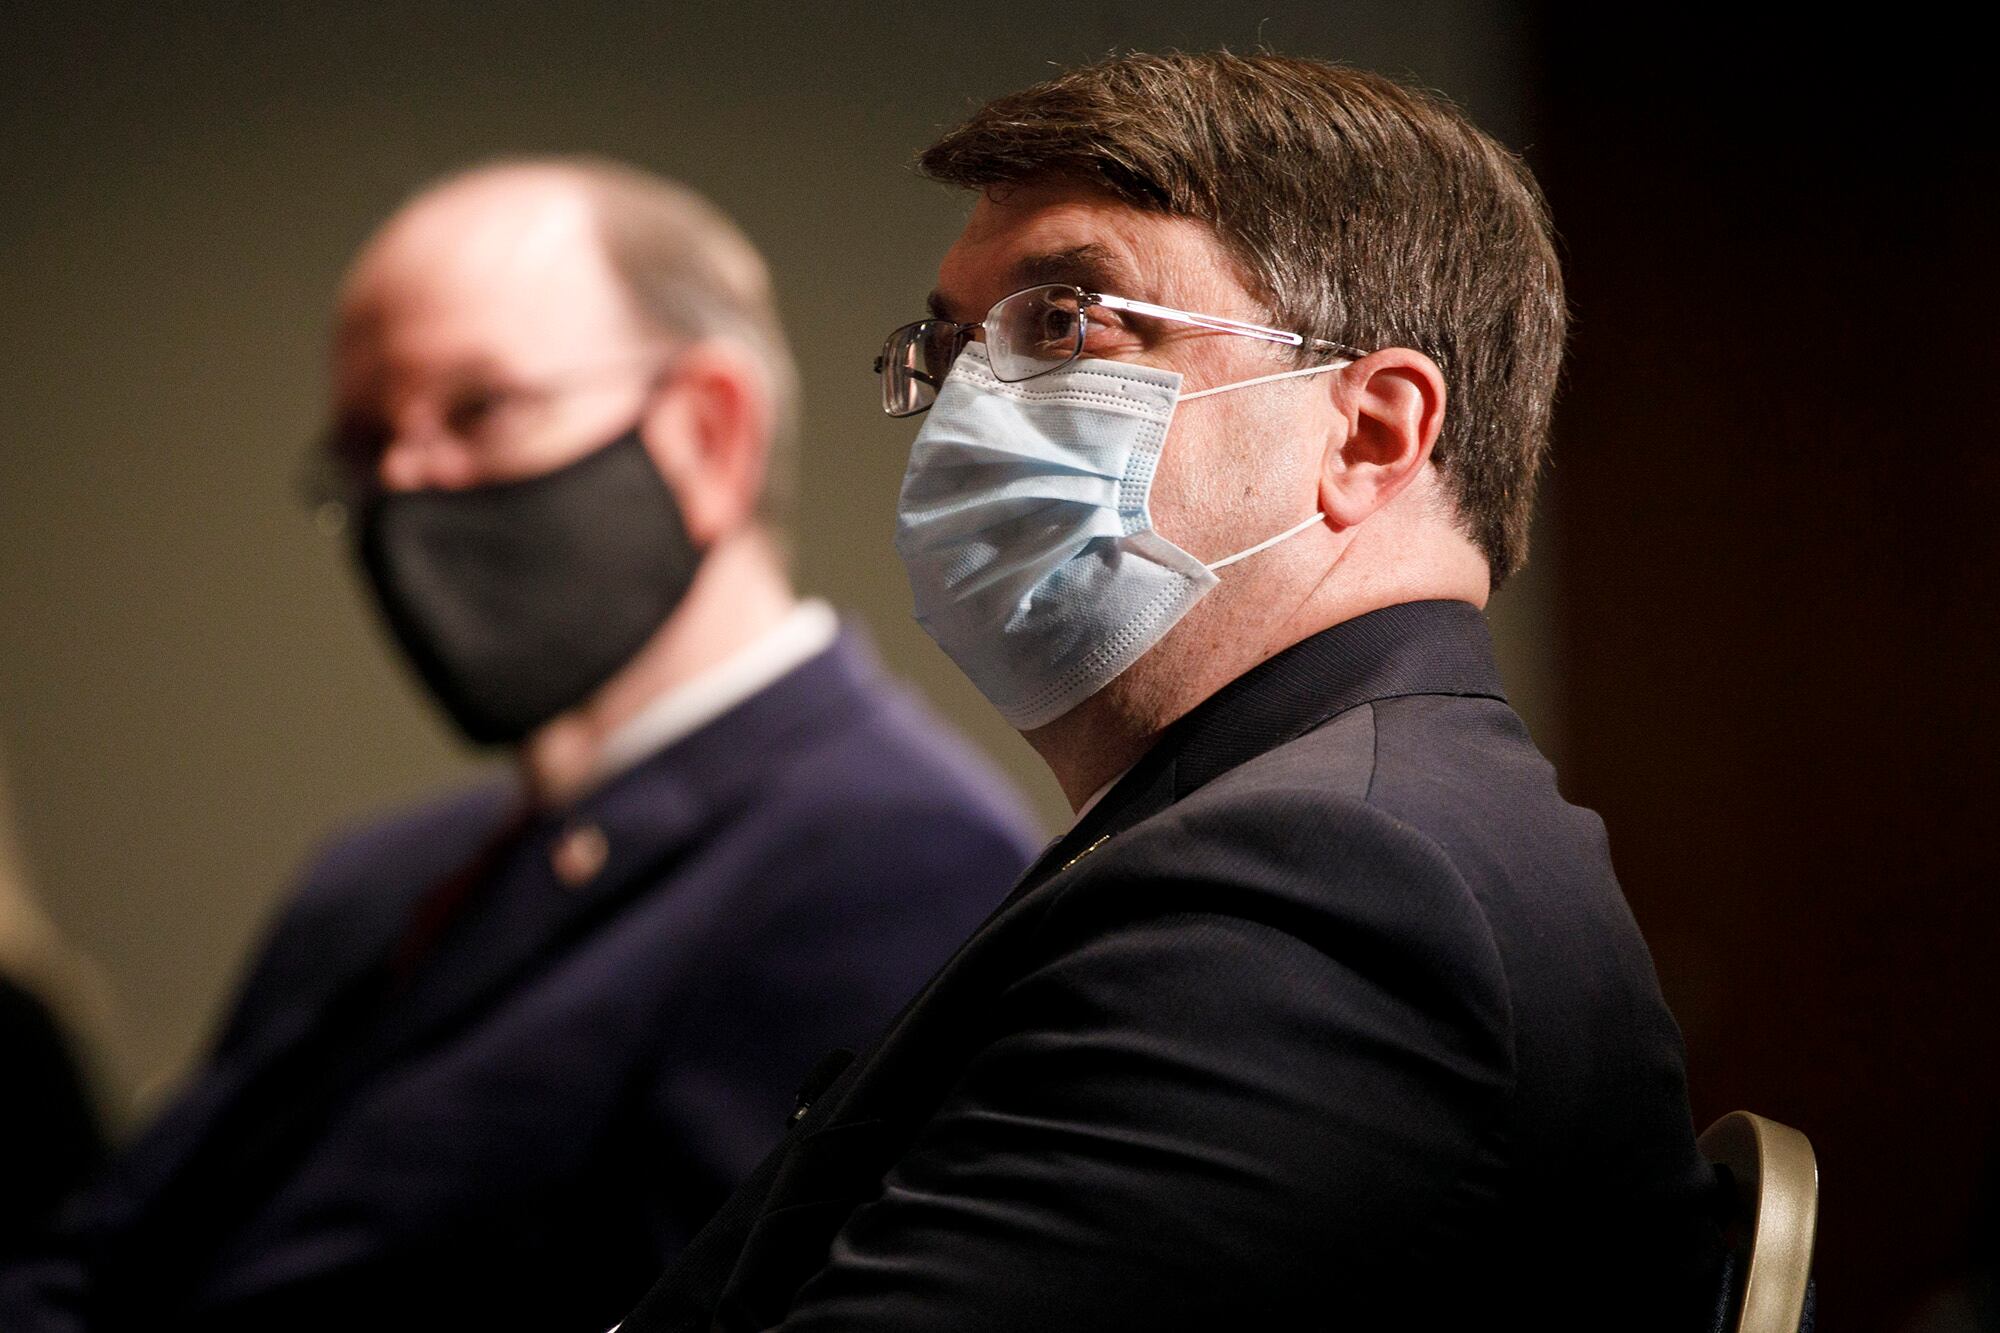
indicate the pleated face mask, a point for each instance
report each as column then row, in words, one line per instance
column 1023, row 525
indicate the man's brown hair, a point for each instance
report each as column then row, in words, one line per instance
column 1361, row 211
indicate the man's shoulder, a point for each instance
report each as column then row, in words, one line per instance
column 1432, row 819
column 1429, row 827
column 1348, row 774
column 1457, row 742
column 1460, row 775
column 889, row 756
column 1295, row 837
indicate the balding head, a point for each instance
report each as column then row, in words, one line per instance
column 502, row 241
column 555, row 271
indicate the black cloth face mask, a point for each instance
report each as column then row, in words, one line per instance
column 516, row 600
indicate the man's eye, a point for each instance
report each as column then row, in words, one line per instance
column 1057, row 328
column 471, row 411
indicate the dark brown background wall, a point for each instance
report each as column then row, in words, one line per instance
column 1777, row 484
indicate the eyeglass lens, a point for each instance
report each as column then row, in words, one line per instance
column 1034, row 332
column 1029, row 333
column 915, row 362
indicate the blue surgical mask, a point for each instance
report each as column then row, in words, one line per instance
column 1024, row 527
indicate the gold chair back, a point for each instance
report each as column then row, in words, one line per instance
column 1777, row 1205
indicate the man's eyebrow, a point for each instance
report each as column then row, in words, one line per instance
column 1091, row 266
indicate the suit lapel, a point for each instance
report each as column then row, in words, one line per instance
column 1144, row 791
column 375, row 884
column 545, row 896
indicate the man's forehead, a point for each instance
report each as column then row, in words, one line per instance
column 1091, row 265
column 476, row 229
column 1066, row 233
column 492, row 276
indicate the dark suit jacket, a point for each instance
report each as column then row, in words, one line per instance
column 577, row 1075
column 1331, row 1014
column 49, row 1136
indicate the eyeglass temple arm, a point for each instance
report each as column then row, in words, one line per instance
column 1221, row 323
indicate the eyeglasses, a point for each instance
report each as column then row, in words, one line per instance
column 496, row 420
column 1032, row 332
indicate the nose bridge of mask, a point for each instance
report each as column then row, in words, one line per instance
column 1117, row 386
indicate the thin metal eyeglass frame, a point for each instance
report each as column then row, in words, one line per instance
column 1084, row 301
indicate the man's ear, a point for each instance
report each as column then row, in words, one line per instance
column 1392, row 403
column 708, row 427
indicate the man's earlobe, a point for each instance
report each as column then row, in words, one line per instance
column 1392, row 402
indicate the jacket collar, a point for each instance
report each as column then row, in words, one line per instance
column 1433, row 647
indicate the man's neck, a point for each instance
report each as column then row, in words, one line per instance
column 1087, row 747
column 1220, row 641
column 740, row 593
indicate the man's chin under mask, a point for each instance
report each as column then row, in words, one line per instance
column 515, row 601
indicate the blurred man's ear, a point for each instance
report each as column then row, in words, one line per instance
column 1392, row 404
column 708, row 427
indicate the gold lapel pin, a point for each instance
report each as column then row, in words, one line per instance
column 579, row 854
column 1085, row 852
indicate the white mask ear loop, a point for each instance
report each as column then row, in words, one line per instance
column 1268, row 542
column 1266, row 379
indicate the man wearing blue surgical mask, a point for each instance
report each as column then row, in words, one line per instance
column 1327, row 1011
column 505, row 1051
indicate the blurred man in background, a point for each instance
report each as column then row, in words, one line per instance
column 1328, row 1011
column 503, row 1053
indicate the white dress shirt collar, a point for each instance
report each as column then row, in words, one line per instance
column 802, row 635
column 1095, row 797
